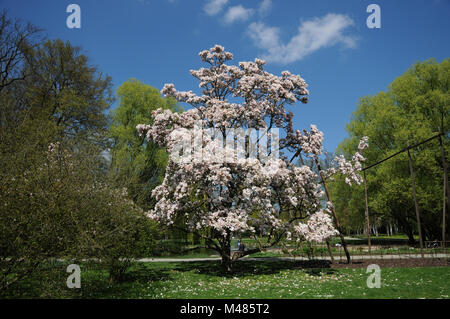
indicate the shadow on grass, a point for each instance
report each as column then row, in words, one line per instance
column 142, row 274
column 144, row 280
column 50, row 282
column 263, row 267
column 135, row 283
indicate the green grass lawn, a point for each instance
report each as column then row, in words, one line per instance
column 268, row 279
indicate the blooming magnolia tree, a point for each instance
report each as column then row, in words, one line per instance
column 228, row 171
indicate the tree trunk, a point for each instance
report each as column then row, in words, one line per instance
column 227, row 262
column 409, row 232
column 225, row 253
column 330, row 252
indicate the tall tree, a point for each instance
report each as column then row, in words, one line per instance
column 67, row 89
column 415, row 107
column 225, row 181
column 56, row 201
column 16, row 44
column 139, row 162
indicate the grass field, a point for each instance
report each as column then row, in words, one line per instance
column 268, row 279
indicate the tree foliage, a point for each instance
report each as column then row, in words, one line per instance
column 138, row 162
column 415, row 107
column 57, row 196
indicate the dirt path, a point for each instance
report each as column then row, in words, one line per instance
column 338, row 259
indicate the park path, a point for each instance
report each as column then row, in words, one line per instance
column 336, row 258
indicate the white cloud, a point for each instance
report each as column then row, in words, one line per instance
column 312, row 35
column 265, row 7
column 213, row 7
column 265, row 37
column 237, row 13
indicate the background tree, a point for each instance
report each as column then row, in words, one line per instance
column 415, row 107
column 16, row 44
column 65, row 88
column 58, row 201
column 139, row 162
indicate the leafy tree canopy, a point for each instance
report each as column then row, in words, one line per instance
column 415, row 107
column 140, row 162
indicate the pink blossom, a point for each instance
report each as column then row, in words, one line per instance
column 248, row 193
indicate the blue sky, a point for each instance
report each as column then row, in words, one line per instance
column 327, row 42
